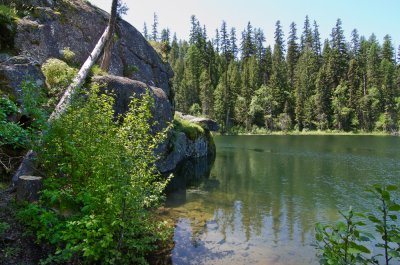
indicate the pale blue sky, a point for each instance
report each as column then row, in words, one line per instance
column 368, row 16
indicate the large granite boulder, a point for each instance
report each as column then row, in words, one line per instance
column 125, row 88
column 56, row 25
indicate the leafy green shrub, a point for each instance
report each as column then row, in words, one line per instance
column 345, row 242
column 101, row 183
column 340, row 243
column 15, row 134
column 58, row 76
column 96, row 70
column 386, row 222
column 7, row 108
column 68, row 55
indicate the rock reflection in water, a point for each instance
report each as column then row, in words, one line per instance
column 259, row 202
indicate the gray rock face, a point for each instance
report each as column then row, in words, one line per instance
column 78, row 25
column 125, row 88
column 15, row 70
column 185, row 148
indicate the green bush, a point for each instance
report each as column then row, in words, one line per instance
column 346, row 243
column 58, row 76
column 96, row 70
column 101, row 181
column 19, row 135
column 68, row 55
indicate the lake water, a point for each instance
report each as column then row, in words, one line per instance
column 258, row 202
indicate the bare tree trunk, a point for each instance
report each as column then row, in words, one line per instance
column 106, row 61
column 79, row 79
column 27, row 165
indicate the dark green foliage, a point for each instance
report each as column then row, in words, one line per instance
column 101, row 180
column 346, row 243
column 341, row 243
column 8, row 16
column 386, row 222
column 345, row 86
column 13, row 133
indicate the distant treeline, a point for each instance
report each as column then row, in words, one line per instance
column 298, row 84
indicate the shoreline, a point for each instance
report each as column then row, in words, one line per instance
column 310, row 133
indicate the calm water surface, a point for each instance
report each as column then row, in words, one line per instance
column 260, row 199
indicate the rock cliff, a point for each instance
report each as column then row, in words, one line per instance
column 51, row 26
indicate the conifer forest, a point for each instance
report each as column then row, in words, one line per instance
column 300, row 83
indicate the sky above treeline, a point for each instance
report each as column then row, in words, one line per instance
column 367, row 16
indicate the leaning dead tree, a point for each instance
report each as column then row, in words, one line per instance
column 105, row 43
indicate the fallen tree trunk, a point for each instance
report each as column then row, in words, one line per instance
column 27, row 165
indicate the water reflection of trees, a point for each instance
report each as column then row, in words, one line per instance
column 274, row 193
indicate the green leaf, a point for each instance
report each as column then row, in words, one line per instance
column 393, row 217
column 374, row 219
column 391, row 188
column 394, row 254
column 356, row 248
column 385, row 195
column 394, row 208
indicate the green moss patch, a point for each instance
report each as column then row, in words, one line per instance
column 192, row 130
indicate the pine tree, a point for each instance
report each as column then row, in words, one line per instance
column 166, row 35
column 324, row 87
column 248, row 86
column 306, row 74
column 388, row 49
column 278, row 80
column 259, row 40
column 292, row 54
column 206, row 92
column 154, row 27
column 217, row 41
column 307, row 36
column 354, row 92
column 174, row 53
column 355, row 44
column 266, row 66
column 316, row 40
column 339, row 53
column 247, row 45
column 193, row 30
column 341, row 110
column 191, row 81
column 225, row 41
column 233, row 40
column 398, row 55
column 145, row 32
